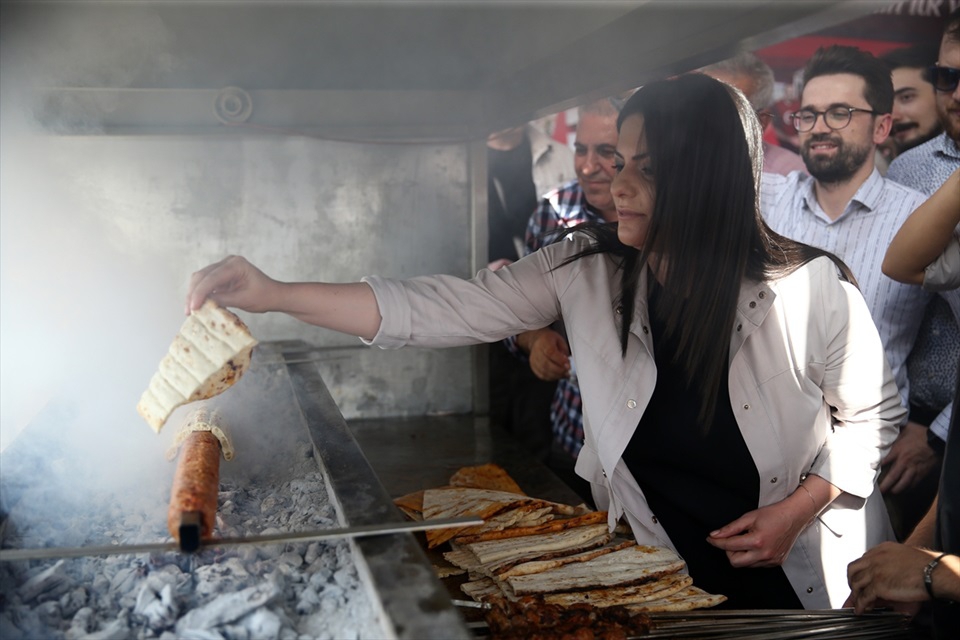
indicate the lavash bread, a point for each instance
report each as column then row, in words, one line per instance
column 556, row 554
column 208, row 355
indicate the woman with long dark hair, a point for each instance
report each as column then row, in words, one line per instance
column 737, row 400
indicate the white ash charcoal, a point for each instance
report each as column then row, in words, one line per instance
column 156, row 604
column 262, row 624
column 312, row 553
column 49, row 583
column 291, row 558
column 117, row 629
column 49, row 613
column 270, row 505
column 228, row 607
column 168, row 595
column 73, row 601
column 219, row 578
column 81, row 624
column 125, row 585
column 308, row 601
column 201, row 634
column 23, row 622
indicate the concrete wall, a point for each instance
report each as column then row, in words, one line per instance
column 101, row 233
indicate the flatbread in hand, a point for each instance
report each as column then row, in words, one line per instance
column 208, row 355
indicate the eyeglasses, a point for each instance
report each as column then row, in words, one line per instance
column 943, row 79
column 835, row 118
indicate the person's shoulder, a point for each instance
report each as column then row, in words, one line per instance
column 810, row 276
column 564, row 194
column 912, row 158
column 909, row 195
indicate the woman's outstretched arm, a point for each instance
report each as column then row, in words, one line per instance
column 234, row 282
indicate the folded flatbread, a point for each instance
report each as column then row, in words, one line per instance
column 485, row 476
column 208, row 355
column 687, row 599
column 451, row 502
column 629, row 566
column 666, row 586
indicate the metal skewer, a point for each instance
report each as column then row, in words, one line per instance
column 11, row 555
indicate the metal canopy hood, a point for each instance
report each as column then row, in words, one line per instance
column 385, row 69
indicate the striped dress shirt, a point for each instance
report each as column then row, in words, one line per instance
column 860, row 237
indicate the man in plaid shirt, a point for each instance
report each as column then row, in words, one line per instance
column 586, row 199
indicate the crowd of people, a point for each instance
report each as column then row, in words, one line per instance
column 748, row 355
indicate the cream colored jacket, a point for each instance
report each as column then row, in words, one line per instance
column 809, row 384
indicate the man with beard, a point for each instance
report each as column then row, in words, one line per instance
column 932, row 363
column 846, row 207
column 914, row 101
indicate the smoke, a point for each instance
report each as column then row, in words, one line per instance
column 84, row 317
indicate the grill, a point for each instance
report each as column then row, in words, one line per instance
column 297, row 468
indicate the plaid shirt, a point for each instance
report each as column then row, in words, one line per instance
column 562, row 208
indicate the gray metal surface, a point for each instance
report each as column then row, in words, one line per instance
column 349, row 69
column 414, row 600
column 410, row 454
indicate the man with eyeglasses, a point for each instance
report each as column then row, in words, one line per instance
column 846, row 207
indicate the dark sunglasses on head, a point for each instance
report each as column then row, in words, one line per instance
column 942, row 78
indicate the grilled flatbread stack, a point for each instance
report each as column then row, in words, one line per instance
column 562, row 555
column 208, row 355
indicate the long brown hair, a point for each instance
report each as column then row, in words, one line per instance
column 705, row 143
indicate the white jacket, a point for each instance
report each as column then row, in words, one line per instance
column 809, row 385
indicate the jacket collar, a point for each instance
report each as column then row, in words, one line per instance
column 753, row 304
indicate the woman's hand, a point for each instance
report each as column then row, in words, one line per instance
column 764, row 537
column 232, row 282
column 549, row 353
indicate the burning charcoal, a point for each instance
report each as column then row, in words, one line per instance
column 49, row 583
column 229, row 607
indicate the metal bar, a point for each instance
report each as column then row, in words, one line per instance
column 359, row 531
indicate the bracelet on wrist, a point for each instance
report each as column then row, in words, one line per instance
column 928, row 575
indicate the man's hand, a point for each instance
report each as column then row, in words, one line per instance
column 549, row 353
column 910, row 459
column 889, row 574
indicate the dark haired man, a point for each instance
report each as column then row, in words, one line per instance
column 924, row 168
column 914, row 101
column 845, row 206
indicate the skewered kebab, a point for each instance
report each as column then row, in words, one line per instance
column 196, row 483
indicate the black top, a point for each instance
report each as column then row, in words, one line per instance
column 697, row 480
column 510, row 207
column 946, row 616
